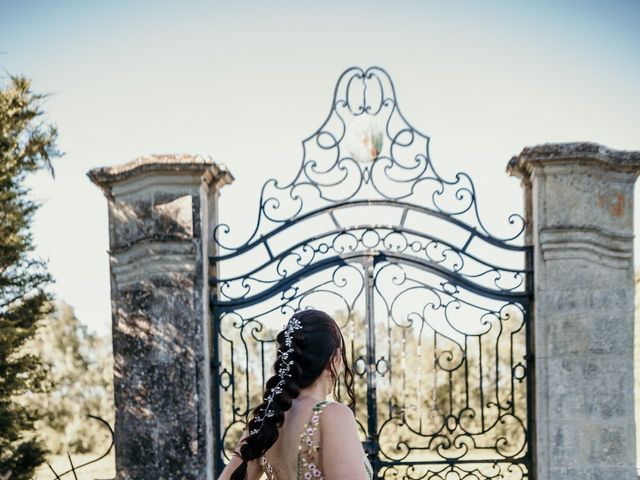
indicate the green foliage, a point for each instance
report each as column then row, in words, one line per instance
column 27, row 144
column 79, row 382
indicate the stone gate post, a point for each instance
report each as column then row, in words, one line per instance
column 161, row 213
column 579, row 208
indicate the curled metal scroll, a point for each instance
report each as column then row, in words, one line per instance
column 365, row 154
column 73, row 470
column 369, row 226
column 391, row 162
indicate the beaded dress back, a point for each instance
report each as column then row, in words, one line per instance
column 308, row 461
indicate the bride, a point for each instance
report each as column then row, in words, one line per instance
column 296, row 433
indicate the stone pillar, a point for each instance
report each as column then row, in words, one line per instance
column 579, row 206
column 162, row 210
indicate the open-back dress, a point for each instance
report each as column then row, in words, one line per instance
column 309, row 462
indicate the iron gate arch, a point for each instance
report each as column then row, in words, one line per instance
column 438, row 334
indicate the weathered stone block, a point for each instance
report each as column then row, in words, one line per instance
column 578, row 204
column 162, row 210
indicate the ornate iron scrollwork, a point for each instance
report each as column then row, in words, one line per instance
column 370, row 229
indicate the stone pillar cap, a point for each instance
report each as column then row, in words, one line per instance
column 583, row 152
column 176, row 164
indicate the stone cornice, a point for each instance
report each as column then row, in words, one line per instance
column 576, row 152
column 178, row 164
column 588, row 243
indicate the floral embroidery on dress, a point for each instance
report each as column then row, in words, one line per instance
column 267, row 468
column 309, row 446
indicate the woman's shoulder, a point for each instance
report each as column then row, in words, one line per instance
column 335, row 414
column 332, row 406
column 340, row 441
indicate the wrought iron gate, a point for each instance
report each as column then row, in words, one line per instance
column 433, row 307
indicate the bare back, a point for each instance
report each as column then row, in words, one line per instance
column 305, row 450
column 282, row 457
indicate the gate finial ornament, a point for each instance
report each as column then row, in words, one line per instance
column 365, row 150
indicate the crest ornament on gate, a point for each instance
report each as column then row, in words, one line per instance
column 370, row 231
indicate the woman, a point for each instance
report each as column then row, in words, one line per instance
column 296, row 433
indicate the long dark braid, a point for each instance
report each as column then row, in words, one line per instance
column 313, row 348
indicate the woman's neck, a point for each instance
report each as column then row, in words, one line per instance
column 318, row 390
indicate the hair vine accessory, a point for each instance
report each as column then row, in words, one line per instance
column 283, row 371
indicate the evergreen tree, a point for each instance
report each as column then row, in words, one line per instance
column 27, row 144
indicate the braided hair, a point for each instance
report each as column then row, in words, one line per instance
column 311, row 350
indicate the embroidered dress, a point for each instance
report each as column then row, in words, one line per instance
column 308, row 462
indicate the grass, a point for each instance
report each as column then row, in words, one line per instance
column 101, row 470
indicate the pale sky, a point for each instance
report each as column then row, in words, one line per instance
column 245, row 82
